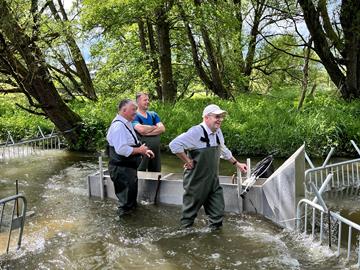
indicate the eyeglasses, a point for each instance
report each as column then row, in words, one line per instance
column 217, row 116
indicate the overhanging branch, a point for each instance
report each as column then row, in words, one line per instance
column 30, row 111
column 286, row 52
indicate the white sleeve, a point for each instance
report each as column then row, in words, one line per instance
column 185, row 141
column 117, row 137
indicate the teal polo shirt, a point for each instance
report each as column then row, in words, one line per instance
column 151, row 119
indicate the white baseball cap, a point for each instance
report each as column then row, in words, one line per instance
column 212, row 108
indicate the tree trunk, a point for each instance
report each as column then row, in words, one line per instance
column 33, row 77
column 154, row 62
column 163, row 34
column 142, row 36
column 305, row 80
column 195, row 56
column 350, row 22
column 214, row 67
column 79, row 61
column 349, row 83
column 214, row 81
column 239, row 17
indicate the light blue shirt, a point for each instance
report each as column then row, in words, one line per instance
column 119, row 136
column 190, row 140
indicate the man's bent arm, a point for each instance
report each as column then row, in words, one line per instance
column 160, row 128
column 144, row 129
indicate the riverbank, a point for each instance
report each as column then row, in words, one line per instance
column 255, row 126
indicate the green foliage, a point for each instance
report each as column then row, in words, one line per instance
column 126, row 74
column 19, row 123
column 255, row 125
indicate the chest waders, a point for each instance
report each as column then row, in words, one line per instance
column 123, row 173
column 202, row 187
column 153, row 142
column 151, row 164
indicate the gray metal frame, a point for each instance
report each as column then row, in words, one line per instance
column 17, row 222
column 345, row 174
column 322, row 208
column 10, row 149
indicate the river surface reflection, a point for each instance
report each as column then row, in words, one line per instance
column 71, row 231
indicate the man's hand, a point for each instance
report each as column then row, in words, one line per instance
column 149, row 154
column 241, row 166
column 189, row 165
column 144, row 150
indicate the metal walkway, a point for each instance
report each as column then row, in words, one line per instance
column 36, row 146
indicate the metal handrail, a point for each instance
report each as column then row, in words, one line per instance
column 29, row 147
column 332, row 214
column 21, row 218
column 332, row 165
column 341, row 171
column 29, row 141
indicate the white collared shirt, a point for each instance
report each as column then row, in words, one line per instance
column 119, row 136
column 190, row 140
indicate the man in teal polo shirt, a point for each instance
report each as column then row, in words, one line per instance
column 149, row 127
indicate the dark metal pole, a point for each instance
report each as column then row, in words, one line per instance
column 17, row 202
column 157, row 188
column 329, row 222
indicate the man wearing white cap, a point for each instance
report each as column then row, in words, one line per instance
column 205, row 145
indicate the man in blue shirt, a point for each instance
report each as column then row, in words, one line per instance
column 149, row 127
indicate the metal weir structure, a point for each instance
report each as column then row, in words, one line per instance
column 291, row 196
column 35, row 146
column 314, row 217
column 343, row 174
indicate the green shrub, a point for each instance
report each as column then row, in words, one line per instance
column 255, row 125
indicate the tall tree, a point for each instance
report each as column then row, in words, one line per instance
column 213, row 79
column 163, row 33
column 78, row 60
column 337, row 43
column 23, row 62
column 151, row 19
column 149, row 48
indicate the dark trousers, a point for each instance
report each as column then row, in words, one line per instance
column 126, row 186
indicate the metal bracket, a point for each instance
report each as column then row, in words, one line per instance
column 9, row 138
column 318, row 196
column 356, row 147
column 328, row 156
column 41, row 133
column 309, row 160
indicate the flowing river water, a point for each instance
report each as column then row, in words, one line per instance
column 69, row 230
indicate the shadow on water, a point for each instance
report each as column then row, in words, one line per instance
column 71, row 231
